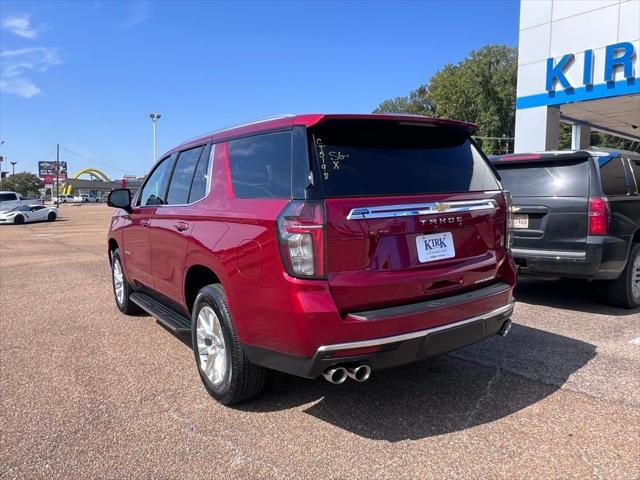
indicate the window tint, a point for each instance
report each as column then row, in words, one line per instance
column 361, row 158
column 7, row 197
column 201, row 176
column 154, row 190
column 183, row 176
column 614, row 180
column 261, row 165
column 545, row 179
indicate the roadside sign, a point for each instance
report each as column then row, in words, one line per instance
column 51, row 169
column 48, row 180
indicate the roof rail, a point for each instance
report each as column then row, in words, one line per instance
column 245, row 124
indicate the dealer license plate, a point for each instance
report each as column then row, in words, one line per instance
column 437, row 246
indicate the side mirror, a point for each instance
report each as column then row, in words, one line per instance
column 120, row 198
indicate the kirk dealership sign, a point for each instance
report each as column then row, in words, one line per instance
column 597, row 79
column 618, row 55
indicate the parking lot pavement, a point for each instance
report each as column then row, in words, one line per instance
column 86, row 392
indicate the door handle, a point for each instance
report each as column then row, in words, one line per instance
column 180, row 226
column 145, row 222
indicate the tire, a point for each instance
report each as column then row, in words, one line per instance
column 238, row 379
column 19, row 220
column 123, row 302
column 625, row 291
column 51, row 217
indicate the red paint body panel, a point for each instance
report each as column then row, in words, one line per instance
column 374, row 263
column 370, row 263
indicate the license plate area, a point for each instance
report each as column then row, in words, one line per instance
column 436, row 246
column 520, row 221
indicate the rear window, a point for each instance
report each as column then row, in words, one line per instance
column 7, row 197
column 546, row 179
column 364, row 158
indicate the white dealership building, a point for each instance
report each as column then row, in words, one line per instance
column 579, row 63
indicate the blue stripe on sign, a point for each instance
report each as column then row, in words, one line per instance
column 580, row 94
column 602, row 161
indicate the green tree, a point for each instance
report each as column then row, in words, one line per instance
column 416, row 103
column 25, row 183
column 480, row 89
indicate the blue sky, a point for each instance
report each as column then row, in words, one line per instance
column 87, row 74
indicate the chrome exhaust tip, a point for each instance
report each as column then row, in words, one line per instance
column 335, row 375
column 361, row 373
column 506, row 328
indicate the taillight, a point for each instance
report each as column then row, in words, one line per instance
column 301, row 236
column 508, row 236
column 598, row 216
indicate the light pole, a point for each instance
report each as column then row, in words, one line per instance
column 13, row 168
column 154, row 118
column 1, row 160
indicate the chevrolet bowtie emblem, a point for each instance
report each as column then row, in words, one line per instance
column 441, row 207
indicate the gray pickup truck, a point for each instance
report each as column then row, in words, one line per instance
column 576, row 214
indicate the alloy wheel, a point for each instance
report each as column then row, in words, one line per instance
column 211, row 345
column 635, row 277
column 118, row 281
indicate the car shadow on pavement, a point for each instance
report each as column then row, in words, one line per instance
column 472, row 386
column 568, row 294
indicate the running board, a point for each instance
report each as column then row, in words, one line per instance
column 168, row 317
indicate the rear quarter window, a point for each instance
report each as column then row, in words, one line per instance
column 8, row 197
column 614, row 177
column 546, row 179
column 260, row 165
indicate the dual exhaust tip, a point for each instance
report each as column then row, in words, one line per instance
column 338, row 375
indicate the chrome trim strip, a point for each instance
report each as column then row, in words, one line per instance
column 409, row 336
column 413, row 209
column 549, row 253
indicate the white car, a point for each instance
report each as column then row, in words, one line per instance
column 29, row 213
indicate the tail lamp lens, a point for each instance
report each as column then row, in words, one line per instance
column 301, row 236
column 508, row 237
column 598, row 216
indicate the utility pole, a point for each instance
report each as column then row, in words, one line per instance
column 57, row 175
column 13, row 168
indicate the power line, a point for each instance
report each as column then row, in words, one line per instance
column 96, row 161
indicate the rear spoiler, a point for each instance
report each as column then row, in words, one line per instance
column 500, row 160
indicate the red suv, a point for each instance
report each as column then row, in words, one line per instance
column 316, row 245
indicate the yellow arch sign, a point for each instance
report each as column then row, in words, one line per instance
column 93, row 172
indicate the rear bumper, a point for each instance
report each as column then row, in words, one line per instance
column 597, row 258
column 390, row 351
